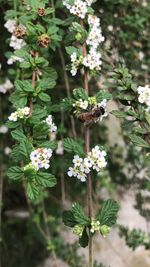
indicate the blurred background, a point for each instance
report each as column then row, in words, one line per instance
column 126, row 27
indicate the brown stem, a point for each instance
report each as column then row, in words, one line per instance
column 87, row 149
column 34, row 76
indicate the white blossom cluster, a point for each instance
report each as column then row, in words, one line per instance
column 144, row 95
column 79, row 7
column 75, row 62
column 95, row 226
column 20, row 113
column 95, row 36
column 6, row 86
column 82, row 104
column 93, row 58
column 52, row 127
column 15, row 43
column 95, row 160
column 40, row 158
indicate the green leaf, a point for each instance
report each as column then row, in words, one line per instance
column 68, row 218
column 44, row 97
column 40, row 130
column 26, row 148
column 80, row 215
column 84, row 239
column 73, row 146
column 101, row 95
column 33, row 191
column 108, row 214
column 119, row 114
column 12, row 124
column 48, row 144
column 138, row 141
column 80, row 93
column 15, row 173
column 46, row 179
column 24, row 85
column 147, row 117
column 71, row 49
column 67, row 103
column 18, row 135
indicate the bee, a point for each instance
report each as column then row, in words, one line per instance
column 94, row 115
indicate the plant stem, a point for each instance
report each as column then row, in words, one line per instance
column 87, row 149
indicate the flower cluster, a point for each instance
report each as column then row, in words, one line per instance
column 40, row 158
column 95, row 36
column 20, row 113
column 6, row 86
column 95, row 226
column 95, row 160
column 75, row 63
column 81, row 104
column 144, row 95
column 52, row 127
column 78, row 230
column 79, row 7
column 93, row 60
column 16, row 40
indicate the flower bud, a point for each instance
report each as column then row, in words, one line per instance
column 20, row 31
column 78, row 36
column 44, row 40
column 78, row 230
column 41, row 12
column 104, row 230
column 92, row 100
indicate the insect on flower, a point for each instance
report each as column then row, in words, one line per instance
column 93, row 116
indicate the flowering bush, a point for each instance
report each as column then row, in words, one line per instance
column 59, row 72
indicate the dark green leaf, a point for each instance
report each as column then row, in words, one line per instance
column 46, row 179
column 73, row 146
column 108, row 213
column 15, row 173
column 84, row 239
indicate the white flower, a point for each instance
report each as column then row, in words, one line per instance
column 3, row 129
column 60, row 148
column 7, row 150
column 95, row 37
column 93, row 60
column 75, row 62
column 16, row 43
column 77, row 160
column 95, row 160
column 13, row 116
column 52, row 127
column 6, row 86
column 40, row 158
column 93, row 21
column 13, row 59
column 20, row 113
column 144, row 95
column 78, row 8
column 83, row 104
column 10, row 25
